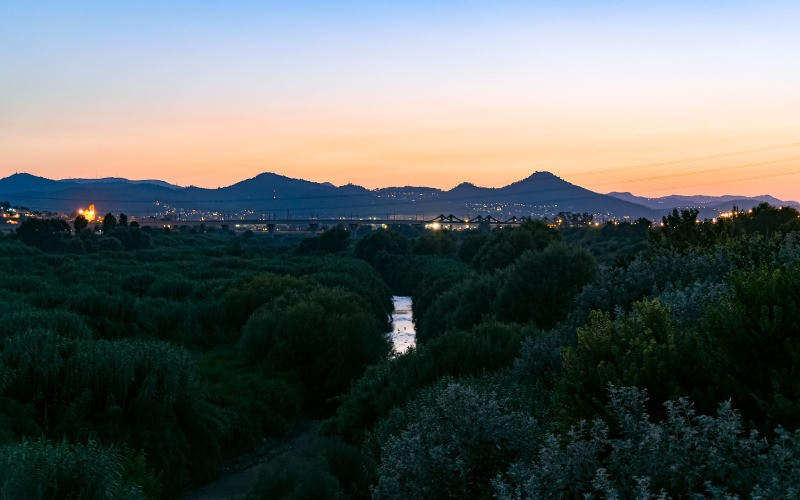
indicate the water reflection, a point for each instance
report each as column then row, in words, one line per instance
column 403, row 333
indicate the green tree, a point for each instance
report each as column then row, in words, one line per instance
column 541, row 286
column 380, row 241
column 80, row 223
column 333, row 240
column 326, row 337
column 109, row 223
column 453, row 446
column 681, row 229
column 644, row 349
column 46, row 234
column 683, row 455
column 471, row 243
column 507, row 244
column 754, row 346
column 440, row 242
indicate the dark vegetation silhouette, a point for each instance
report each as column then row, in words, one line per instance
column 582, row 360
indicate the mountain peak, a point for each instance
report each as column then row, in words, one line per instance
column 543, row 180
column 22, row 182
column 23, row 176
column 541, row 175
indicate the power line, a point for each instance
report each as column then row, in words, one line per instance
column 689, row 160
column 708, row 170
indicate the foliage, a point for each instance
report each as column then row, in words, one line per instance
column 643, row 349
column 109, row 223
column 462, row 306
column 45, row 234
column 440, row 242
column 541, row 286
column 39, row 469
column 246, row 297
column 333, row 240
column 471, row 243
column 754, row 343
column 378, row 241
column 506, row 245
column 326, row 467
column 453, row 446
column 79, row 362
column 684, row 455
column 180, row 350
column 326, row 337
column 80, row 223
column 486, row 348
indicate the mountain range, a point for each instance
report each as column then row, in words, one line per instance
column 271, row 195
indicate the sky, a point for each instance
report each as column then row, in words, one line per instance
column 650, row 97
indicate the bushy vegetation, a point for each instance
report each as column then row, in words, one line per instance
column 668, row 371
column 176, row 357
column 571, row 359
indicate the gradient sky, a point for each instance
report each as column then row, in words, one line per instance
column 414, row 92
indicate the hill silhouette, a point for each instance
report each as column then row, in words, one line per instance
column 273, row 195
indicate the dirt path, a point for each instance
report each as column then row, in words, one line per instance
column 238, row 483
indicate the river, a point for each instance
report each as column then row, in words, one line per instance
column 403, row 333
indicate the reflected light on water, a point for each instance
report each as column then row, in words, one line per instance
column 403, row 333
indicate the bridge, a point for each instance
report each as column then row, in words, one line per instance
column 314, row 224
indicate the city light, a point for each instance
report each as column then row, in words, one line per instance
column 89, row 214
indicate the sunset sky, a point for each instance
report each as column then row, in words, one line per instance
column 415, row 92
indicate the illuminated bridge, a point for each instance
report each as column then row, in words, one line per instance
column 314, row 224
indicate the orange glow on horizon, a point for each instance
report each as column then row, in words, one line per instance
column 440, row 148
column 606, row 95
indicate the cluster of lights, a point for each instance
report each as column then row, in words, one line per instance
column 89, row 214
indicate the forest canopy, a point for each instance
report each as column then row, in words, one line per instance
column 621, row 360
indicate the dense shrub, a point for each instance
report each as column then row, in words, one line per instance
column 333, row 240
column 684, row 455
column 380, row 241
column 507, row 244
column 644, row 349
column 441, row 242
column 541, row 286
column 326, row 337
column 39, row 469
column 486, row 348
column 453, row 446
column 754, row 346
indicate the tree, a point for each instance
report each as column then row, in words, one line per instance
column 681, row 228
column 333, row 240
column 45, row 234
column 435, row 243
column 541, row 286
column 644, row 349
column 327, row 337
column 471, row 243
column 507, row 244
column 453, row 446
column 109, row 223
column 123, row 220
column 754, row 346
column 80, row 223
column 381, row 240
